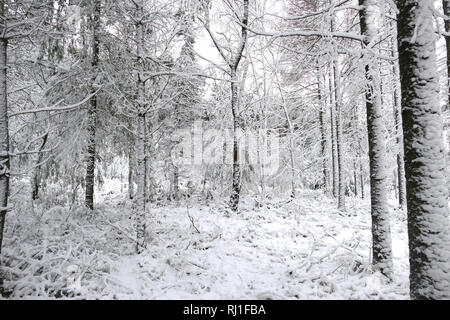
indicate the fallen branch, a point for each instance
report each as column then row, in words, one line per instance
column 192, row 220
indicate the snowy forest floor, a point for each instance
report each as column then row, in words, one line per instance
column 291, row 249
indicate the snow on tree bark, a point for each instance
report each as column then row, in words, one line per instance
column 339, row 142
column 36, row 176
column 4, row 132
column 355, row 177
column 446, row 7
column 92, row 110
column 323, row 132
column 427, row 202
column 141, row 140
column 141, row 178
column 381, row 233
column 236, row 183
column 361, row 174
column 397, row 99
column 334, row 150
column 131, row 165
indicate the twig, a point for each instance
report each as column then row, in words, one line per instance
column 192, row 220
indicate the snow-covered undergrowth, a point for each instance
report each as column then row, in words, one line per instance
column 290, row 249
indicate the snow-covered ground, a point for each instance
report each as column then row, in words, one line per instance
column 290, row 249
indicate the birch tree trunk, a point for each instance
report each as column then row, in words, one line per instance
column 426, row 189
column 92, row 111
column 339, row 142
column 4, row 131
column 381, row 233
column 334, row 150
column 236, row 183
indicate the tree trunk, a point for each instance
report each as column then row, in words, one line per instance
column 176, row 184
column 131, row 164
column 446, row 7
column 323, row 132
column 36, row 179
column 261, row 140
column 339, row 142
column 334, row 150
column 236, row 184
column 141, row 142
column 92, row 111
column 361, row 174
column 381, row 233
column 426, row 189
column 4, row 134
column 401, row 182
column 233, row 63
column 395, row 184
column 291, row 137
column 141, row 178
column 355, row 177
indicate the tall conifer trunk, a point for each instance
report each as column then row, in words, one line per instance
column 427, row 193
column 141, row 141
column 381, row 233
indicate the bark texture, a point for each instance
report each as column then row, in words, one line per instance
column 446, row 7
column 131, row 165
column 401, row 182
column 4, row 131
column 334, row 149
column 141, row 141
column 339, row 137
column 36, row 178
column 381, row 233
column 141, row 178
column 236, row 183
column 92, row 111
column 323, row 131
column 428, row 213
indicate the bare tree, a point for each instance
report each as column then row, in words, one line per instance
column 233, row 64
